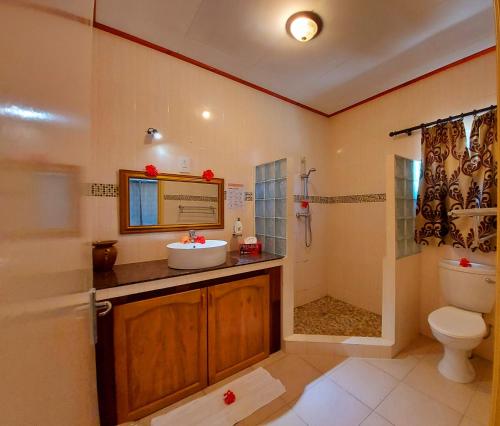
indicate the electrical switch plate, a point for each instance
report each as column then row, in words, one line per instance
column 184, row 164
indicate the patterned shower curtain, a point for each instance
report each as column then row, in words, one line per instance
column 454, row 177
column 482, row 162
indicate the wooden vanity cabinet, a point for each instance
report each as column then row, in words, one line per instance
column 238, row 326
column 160, row 348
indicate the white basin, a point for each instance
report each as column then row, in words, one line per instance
column 196, row 255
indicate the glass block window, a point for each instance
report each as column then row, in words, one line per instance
column 407, row 174
column 270, row 206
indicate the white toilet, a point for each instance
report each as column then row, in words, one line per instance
column 460, row 327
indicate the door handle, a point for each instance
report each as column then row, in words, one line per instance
column 97, row 309
column 106, row 304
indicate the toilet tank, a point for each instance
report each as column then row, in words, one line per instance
column 471, row 288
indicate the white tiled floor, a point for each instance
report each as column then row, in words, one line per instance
column 337, row 391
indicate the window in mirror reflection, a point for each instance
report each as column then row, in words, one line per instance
column 143, row 194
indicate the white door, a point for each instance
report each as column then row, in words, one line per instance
column 47, row 367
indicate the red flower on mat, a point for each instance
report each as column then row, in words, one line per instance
column 151, row 170
column 304, row 204
column 464, row 262
column 208, row 175
column 229, row 397
column 200, row 239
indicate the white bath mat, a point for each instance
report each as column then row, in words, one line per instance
column 253, row 391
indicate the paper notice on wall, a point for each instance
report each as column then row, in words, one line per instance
column 235, row 195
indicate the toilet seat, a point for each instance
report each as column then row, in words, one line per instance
column 457, row 323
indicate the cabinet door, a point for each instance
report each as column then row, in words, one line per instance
column 160, row 348
column 238, row 326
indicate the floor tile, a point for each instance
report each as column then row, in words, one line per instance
column 375, row 419
column 398, row 367
column 426, row 378
column 263, row 413
column 479, row 407
column 324, row 363
column 329, row 404
column 295, row 374
column 284, row 417
column 484, row 373
column 423, row 346
column 366, row 382
column 469, row 422
column 406, row 406
column 275, row 357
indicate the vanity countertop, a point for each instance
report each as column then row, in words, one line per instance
column 132, row 273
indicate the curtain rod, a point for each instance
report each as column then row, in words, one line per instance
column 409, row 130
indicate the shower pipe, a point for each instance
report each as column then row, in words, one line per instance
column 409, row 130
column 307, row 214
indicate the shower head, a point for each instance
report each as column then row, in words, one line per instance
column 306, row 175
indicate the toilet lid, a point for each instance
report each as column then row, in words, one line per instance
column 459, row 323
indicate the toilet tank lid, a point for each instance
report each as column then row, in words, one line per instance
column 475, row 268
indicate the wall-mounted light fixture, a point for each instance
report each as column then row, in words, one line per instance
column 304, row 26
column 154, row 133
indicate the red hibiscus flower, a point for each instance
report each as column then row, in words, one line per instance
column 464, row 262
column 151, row 170
column 200, row 239
column 208, row 175
column 229, row 397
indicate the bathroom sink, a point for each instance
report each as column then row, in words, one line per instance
column 196, row 255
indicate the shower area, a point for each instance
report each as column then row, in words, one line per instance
column 326, row 314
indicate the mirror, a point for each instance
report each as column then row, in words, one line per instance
column 169, row 202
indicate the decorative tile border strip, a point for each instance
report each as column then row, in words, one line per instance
column 183, row 197
column 111, row 190
column 102, row 190
column 343, row 199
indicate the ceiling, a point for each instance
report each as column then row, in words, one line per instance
column 366, row 46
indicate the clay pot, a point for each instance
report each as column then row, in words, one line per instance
column 104, row 255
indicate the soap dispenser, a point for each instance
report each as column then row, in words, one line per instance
column 238, row 228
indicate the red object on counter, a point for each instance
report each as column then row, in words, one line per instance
column 251, row 248
column 229, row 397
column 200, row 239
column 464, row 262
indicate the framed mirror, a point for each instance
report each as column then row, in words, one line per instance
column 169, row 202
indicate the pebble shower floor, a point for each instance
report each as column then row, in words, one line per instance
column 330, row 316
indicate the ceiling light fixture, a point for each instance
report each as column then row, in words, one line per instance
column 205, row 114
column 155, row 134
column 304, row 26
